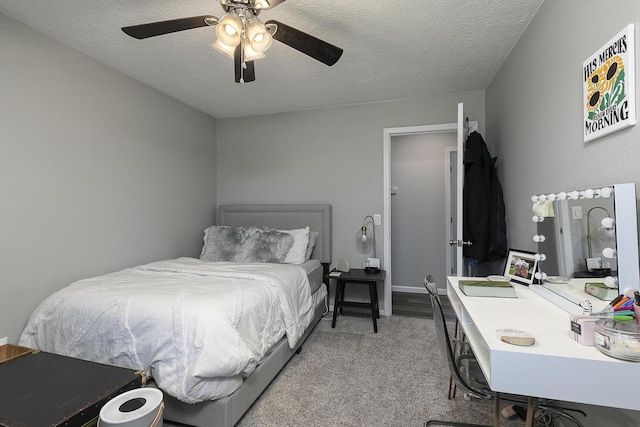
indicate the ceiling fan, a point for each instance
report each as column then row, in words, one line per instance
column 242, row 36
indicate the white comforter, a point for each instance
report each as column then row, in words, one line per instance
column 196, row 327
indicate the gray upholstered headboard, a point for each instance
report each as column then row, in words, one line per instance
column 284, row 217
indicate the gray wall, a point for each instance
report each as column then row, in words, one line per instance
column 534, row 121
column 331, row 155
column 534, row 110
column 97, row 172
column 419, row 219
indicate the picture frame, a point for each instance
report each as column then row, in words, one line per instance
column 608, row 87
column 521, row 266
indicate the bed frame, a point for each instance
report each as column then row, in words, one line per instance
column 228, row 410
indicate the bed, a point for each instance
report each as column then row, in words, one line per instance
column 289, row 302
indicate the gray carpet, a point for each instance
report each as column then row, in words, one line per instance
column 349, row 376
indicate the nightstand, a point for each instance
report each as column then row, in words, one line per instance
column 362, row 277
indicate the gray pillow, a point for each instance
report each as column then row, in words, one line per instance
column 246, row 245
column 221, row 243
column 264, row 245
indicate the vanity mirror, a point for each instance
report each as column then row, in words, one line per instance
column 587, row 245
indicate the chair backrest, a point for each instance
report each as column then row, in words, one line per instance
column 445, row 342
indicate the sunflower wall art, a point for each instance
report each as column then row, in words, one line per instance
column 608, row 87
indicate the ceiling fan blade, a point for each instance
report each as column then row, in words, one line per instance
column 243, row 75
column 307, row 44
column 153, row 29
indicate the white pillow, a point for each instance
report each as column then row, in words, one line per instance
column 297, row 253
column 313, row 239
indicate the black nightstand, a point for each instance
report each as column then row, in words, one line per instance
column 358, row 276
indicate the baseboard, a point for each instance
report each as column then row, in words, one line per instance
column 409, row 289
column 414, row 290
column 404, row 289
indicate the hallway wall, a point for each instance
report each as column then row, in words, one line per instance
column 418, row 211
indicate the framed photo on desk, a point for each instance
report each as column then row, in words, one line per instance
column 521, row 266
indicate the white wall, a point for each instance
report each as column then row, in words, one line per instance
column 97, row 172
column 534, row 122
column 419, row 219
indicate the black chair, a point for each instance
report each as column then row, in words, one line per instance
column 467, row 375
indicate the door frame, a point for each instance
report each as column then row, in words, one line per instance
column 450, row 201
column 388, row 133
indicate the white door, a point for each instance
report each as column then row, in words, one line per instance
column 457, row 239
column 463, row 127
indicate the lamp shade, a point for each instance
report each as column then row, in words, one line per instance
column 250, row 54
column 259, row 38
column 223, row 48
column 229, row 30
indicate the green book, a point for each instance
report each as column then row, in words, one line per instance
column 487, row 288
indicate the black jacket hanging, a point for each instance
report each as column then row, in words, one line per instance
column 483, row 205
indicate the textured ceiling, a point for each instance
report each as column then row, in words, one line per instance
column 392, row 49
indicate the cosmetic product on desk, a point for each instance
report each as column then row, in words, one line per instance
column 621, row 309
column 611, row 307
column 582, row 329
column 618, row 339
column 636, row 308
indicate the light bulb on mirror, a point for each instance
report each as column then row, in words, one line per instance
column 538, row 238
column 607, row 222
column 540, row 257
column 607, row 231
column 574, row 195
column 552, row 197
column 589, row 193
column 611, row 282
column 609, row 253
column 562, row 195
column 606, row 192
column 534, row 198
column 542, row 197
column 541, row 276
column 537, row 218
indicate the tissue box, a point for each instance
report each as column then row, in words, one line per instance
column 583, row 329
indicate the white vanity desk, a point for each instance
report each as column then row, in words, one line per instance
column 555, row 367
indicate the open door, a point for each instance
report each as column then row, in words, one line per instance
column 456, row 240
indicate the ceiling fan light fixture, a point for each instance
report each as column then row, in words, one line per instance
column 262, row 4
column 223, row 48
column 229, row 30
column 258, row 36
column 250, row 54
column 241, row 36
